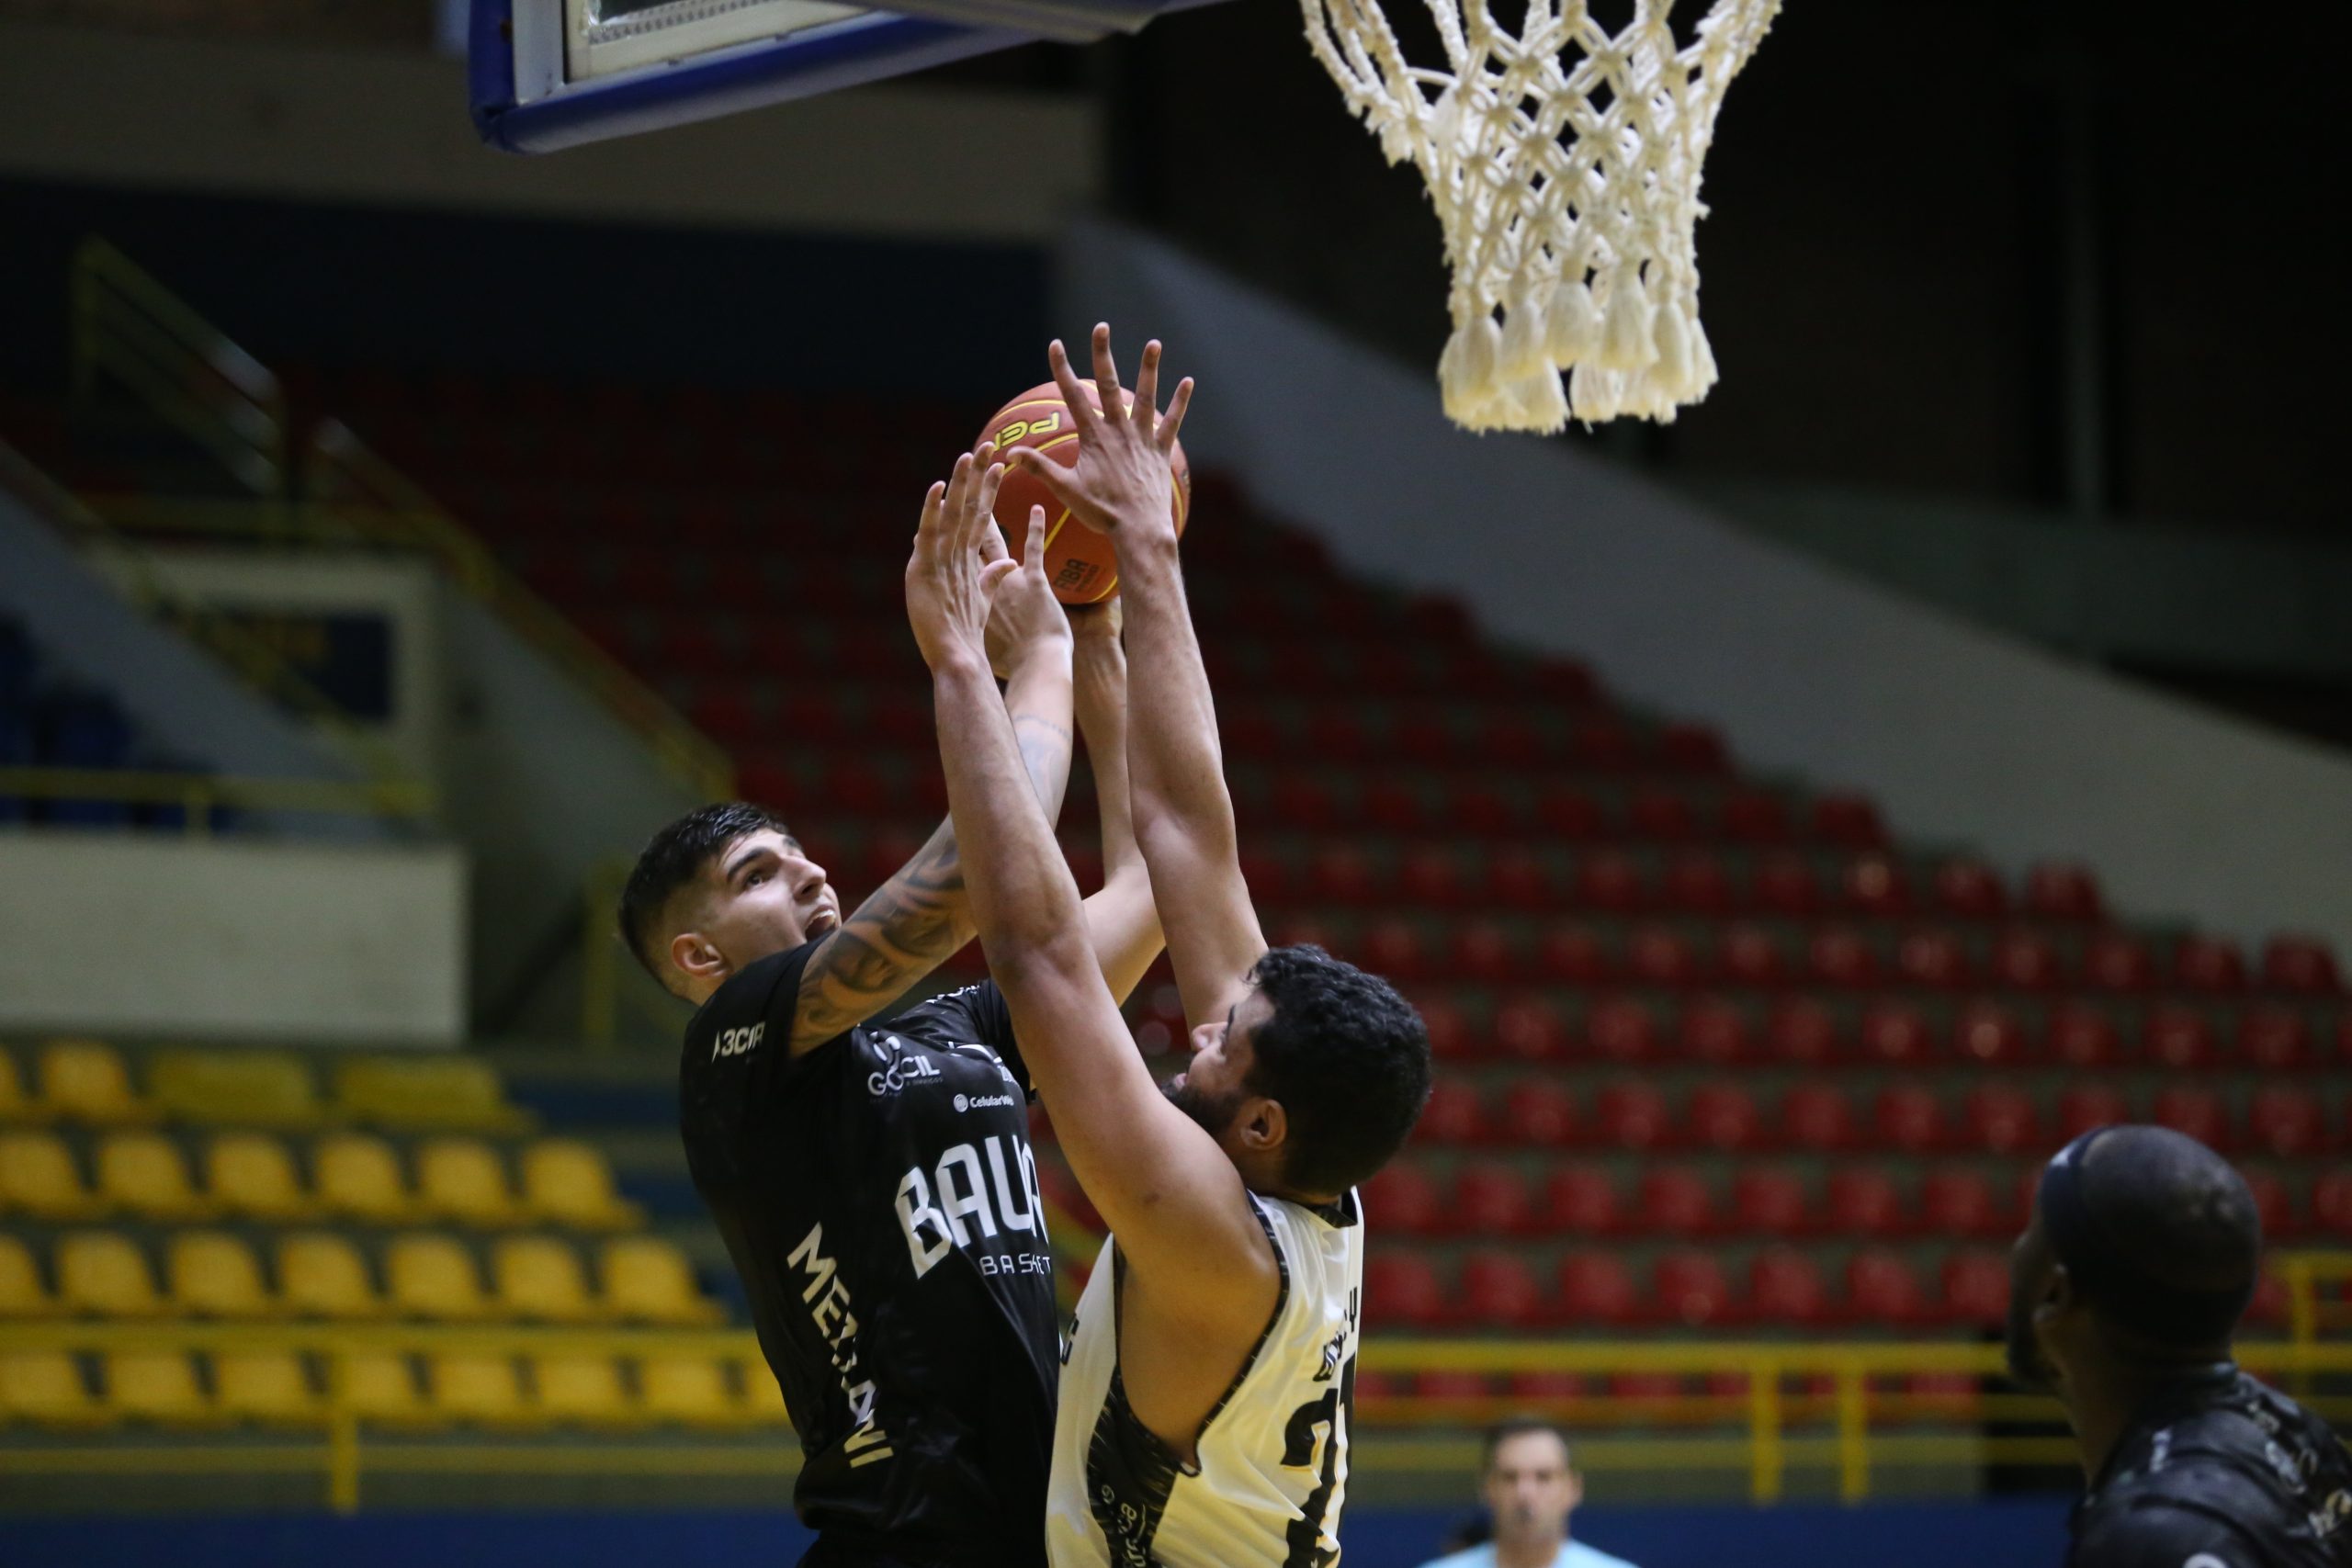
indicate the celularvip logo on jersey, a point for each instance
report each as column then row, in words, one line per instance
column 899, row 1071
column 983, row 1101
column 736, row 1042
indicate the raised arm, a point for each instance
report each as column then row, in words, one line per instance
column 1168, row 1189
column 919, row 917
column 1121, row 486
column 1121, row 919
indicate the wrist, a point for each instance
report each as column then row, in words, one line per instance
column 961, row 665
column 1049, row 655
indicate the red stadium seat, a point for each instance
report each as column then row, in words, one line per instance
column 2023, row 961
column 1538, row 1113
column 2197, row 1112
column 1751, row 956
column 1876, row 885
column 1850, row 821
column 1434, row 877
column 1337, row 735
column 2177, row 1039
column 1692, row 749
column 1602, row 745
column 1452, row 1115
column 2331, row 1204
column 1675, row 1200
column 1724, row 1116
column 1519, row 879
column 2061, row 891
column 1537, row 1387
column 1580, row 1200
column 1881, row 1288
column 1401, row 1289
column 725, row 713
column 2273, row 1039
column 1862, row 1200
column 1566, row 813
column 1970, row 889
column 1696, row 883
column 1610, row 881
column 2118, row 962
column 1909, row 1118
column 1395, row 950
column 1632, row 1116
column 1892, row 1035
column 1662, row 956
column 2000, row 1119
column 1933, row 958
column 1482, row 951
column 1817, row 1119
column 1394, row 807
column 1987, row 1034
column 1272, row 878
column 2086, row 1106
column 1571, row 955
column 1713, row 1032
column 2286, row 1123
column 1752, row 817
column 1472, row 807
column 1689, row 1289
column 1842, row 957
column 2273, row 1205
column 1783, row 1286
column 1783, row 884
column 1530, row 1029
column 1802, row 1034
column 1955, row 1200
column 1770, row 1200
column 1490, row 1200
column 1500, row 1291
column 1451, row 1037
column 1341, row 874
column 1661, row 814
column 2301, row 966
column 1621, row 1031
column 2081, row 1037
column 1402, row 1200
column 1596, row 1289
column 1305, row 802
column 2209, row 963
column 1976, row 1287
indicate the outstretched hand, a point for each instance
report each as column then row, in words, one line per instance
column 951, row 580
column 1121, row 478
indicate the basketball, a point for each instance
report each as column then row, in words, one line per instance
column 1077, row 560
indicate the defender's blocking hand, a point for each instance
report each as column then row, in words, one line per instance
column 1121, row 481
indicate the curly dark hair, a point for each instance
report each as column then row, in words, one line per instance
column 675, row 857
column 1348, row 1058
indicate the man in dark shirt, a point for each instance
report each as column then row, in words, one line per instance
column 2141, row 1255
column 874, row 1181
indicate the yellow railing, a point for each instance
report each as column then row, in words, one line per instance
column 2310, row 1313
column 199, row 794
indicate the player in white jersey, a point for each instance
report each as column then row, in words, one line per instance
column 1206, row 1393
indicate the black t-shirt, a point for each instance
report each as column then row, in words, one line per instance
column 880, row 1200
column 2220, row 1471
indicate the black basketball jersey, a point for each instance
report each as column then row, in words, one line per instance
column 880, row 1200
column 2220, row 1473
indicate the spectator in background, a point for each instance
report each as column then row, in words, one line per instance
column 1531, row 1486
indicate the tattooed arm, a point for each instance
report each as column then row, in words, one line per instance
column 919, row 917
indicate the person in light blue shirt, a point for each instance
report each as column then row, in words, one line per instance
column 1530, row 1486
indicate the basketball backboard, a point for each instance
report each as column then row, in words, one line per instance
column 552, row 73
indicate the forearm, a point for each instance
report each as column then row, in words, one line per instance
column 1038, row 696
column 1018, row 887
column 1100, row 700
column 1176, row 769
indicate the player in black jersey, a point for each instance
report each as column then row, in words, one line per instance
column 2141, row 1255
column 874, row 1181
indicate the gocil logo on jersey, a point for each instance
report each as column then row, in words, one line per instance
column 899, row 1072
column 737, row 1041
column 975, row 1191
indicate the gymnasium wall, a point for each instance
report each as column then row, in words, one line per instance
column 1959, row 732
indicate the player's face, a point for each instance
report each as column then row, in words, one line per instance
column 1214, row 1084
column 766, row 895
column 1530, row 1489
column 2031, row 1265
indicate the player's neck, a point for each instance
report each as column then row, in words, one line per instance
column 2107, row 1394
column 1538, row 1552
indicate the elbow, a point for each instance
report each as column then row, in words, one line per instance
column 1028, row 963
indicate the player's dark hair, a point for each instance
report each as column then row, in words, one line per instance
column 1503, row 1431
column 2176, row 1237
column 675, row 857
column 1348, row 1058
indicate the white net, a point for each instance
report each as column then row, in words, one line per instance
column 1564, row 163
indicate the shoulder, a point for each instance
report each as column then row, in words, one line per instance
column 753, row 1002
column 1577, row 1554
column 2144, row 1527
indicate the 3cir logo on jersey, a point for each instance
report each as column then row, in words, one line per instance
column 899, row 1072
column 736, row 1042
column 982, row 1102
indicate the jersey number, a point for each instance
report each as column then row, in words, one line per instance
column 1318, row 1422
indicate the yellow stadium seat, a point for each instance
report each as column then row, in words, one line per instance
column 145, row 1174
column 158, row 1386
column 252, row 1175
column 214, row 1274
column 379, row 1386
column 582, row 1391
column 104, row 1273
column 479, row 1390
column 648, row 1280
column 464, row 1179
column 265, row 1386
column 15, row 1104
column 433, row 1276
column 541, row 1277
column 21, row 1292
column 762, row 1401
column 688, row 1389
column 321, row 1275
column 234, row 1088
column 567, row 1182
column 456, row 1093
column 359, row 1177
column 88, row 1081
column 46, row 1387
column 38, row 1176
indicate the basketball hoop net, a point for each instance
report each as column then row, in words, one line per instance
column 1563, row 164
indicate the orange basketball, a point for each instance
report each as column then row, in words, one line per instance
column 1077, row 560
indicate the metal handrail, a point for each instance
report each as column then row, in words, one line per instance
column 199, row 794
